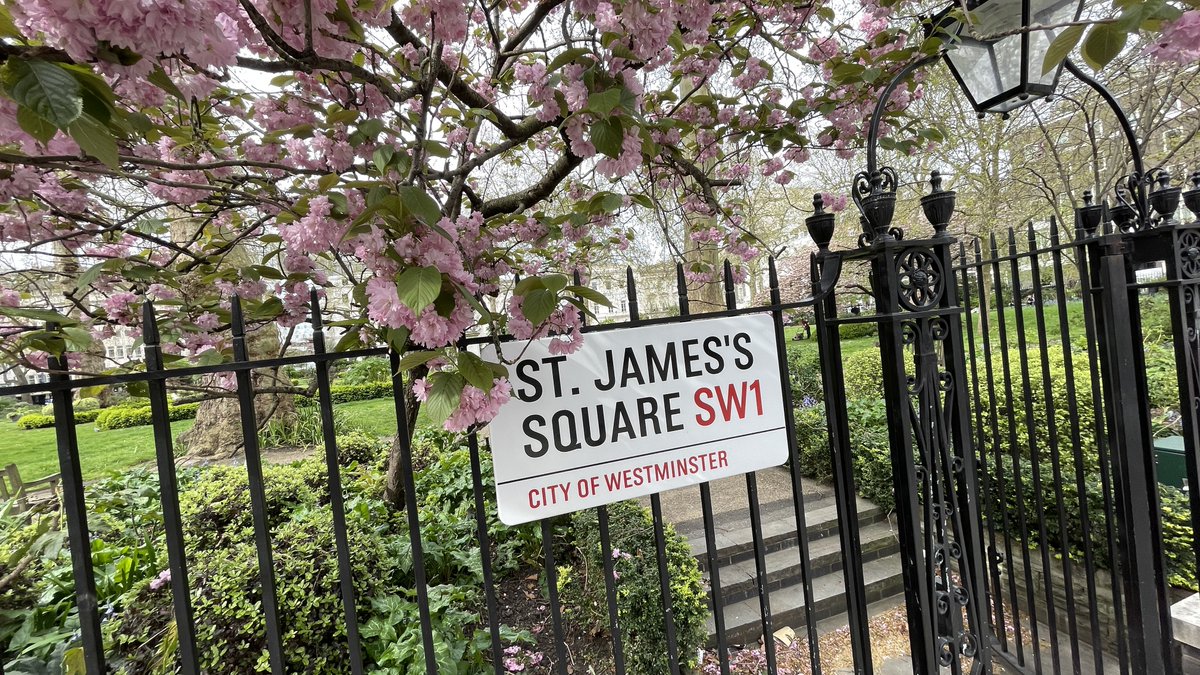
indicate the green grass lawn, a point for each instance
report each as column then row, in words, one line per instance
column 35, row 453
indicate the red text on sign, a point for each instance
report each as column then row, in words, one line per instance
column 731, row 402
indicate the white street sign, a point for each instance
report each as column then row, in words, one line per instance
column 636, row 411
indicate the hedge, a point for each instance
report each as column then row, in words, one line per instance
column 123, row 418
column 38, row 421
column 348, row 393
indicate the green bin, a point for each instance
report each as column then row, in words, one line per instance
column 1172, row 465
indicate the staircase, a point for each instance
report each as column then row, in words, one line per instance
column 735, row 552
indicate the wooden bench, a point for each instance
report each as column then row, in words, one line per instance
column 27, row 494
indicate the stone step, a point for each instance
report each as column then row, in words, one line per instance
column 743, row 619
column 735, row 537
column 739, row 580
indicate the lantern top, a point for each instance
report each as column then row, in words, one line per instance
column 997, row 49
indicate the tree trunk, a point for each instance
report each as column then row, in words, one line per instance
column 217, row 433
column 393, row 490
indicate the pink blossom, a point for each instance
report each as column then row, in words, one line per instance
column 1180, row 39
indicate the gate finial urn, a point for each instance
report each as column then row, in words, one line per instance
column 938, row 205
column 820, row 225
column 875, row 196
column 1191, row 198
column 1091, row 214
column 1164, row 199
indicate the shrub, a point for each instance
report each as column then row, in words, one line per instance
column 1175, row 518
column 856, row 331
column 871, row 458
column 1161, row 379
column 357, row 447
column 301, row 429
column 348, row 393
column 1014, row 421
column 639, row 598
column 126, row 417
column 85, row 404
column 35, row 421
column 39, row 421
column 863, row 372
column 804, row 373
column 370, row 370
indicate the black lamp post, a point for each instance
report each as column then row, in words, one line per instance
column 997, row 55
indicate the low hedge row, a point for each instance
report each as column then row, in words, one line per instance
column 348, row 393
column 124, row 418
column 38, row 421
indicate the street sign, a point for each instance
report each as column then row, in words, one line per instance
column 636, row 411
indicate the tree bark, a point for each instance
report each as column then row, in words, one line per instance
column 217, row 433
column 393, row 490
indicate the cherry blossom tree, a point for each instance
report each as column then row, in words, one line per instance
column 418, row 155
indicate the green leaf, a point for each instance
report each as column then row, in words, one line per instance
column 413, row 359
column 91, row 275
column 37, row 314
column 1061, row 47
column 7, row 27
column 538, row 305
column 528, row 284
column 95, row 139
column 420, row 204
column 1104, row 42
column 607, row 136
column 382, row 158
column 555, row 282
column 45, row 88
column 569, row 56
column 444, row 396
column 77, row 338
column 418, row 287
column 324, row 183
column 611, row 202
column 436, row 149
column 159, row 78
column 33, row 124
column 602, row 103
column 475, row 371
column 590, row 295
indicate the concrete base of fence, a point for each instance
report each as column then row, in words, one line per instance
column 1185, row 620
column 1186, row 612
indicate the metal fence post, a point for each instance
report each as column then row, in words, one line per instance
column 1142, row 568
column 934, row 465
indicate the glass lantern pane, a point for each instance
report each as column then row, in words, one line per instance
column 975, row 65
column 1048, row 12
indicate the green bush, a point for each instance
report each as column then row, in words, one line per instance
column 371, row 370
column 1013, row 422
column 126, row 417
column 348, row 393
column 38, row 421
column 85, row 404
column 1161, row 379
column 301, row 429
column 639, row 598
column 855, row 331
column 870, row 449
column 357, row 447
column 804, row 373
column 1175, row 518
column 863, row 372
column 35, row 421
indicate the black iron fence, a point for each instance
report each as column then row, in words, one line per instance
column 1081, row 352
column 1020, row 424
column 186, row 657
